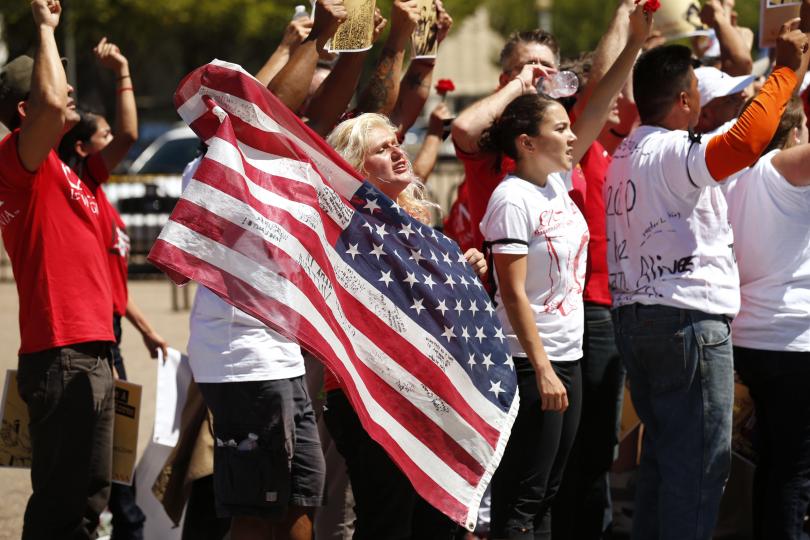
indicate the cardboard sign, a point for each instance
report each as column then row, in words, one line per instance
column 772, row 15
column 679, row 19
column 125, row 434
column 425, row 37
column 357, row 31
column 15, row 439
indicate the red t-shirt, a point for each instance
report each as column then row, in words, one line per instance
column 481, row 177
column 52, row 233
column 115, row 238
column 591, row 202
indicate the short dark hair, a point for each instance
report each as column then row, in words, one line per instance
column 791, row 118
column 528, row 36
column 659, row 77
column 522, row 115
column 84, row 129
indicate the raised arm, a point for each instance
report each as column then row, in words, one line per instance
column 415, row 86
column 125, row 132
column 744, row 142
column 381, row 93
column 475, row 119
column 590, row 123
column 735, row 57
column 292, row 83
column 336, row 91
column 610, row 46
column 295, row 33
column 46, row 107
column 425, row 160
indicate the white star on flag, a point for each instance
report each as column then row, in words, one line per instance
column 459, row 307
column 473, row 307
column 465, row 282
column 352, row 250
column 509, row 362
column 429, row 281
column 489, row 309
column 464, row 333
column 450, row 281
column 495, row 387
column 446, row 258
column 407, row 231
column 442, row 307
column 479, row 333
column 448, row 333
column 471, row 361
column 377, row 251
column 411, row 279
column 386, row 278
column 488, row 361
column 416, row 255
column 381, row 231
column 371, row 205
column 417, row 305
column 368, row 226
column 499, row 334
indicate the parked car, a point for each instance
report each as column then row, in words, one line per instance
column 168, row 154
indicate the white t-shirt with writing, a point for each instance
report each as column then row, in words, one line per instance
column 771, row 221
column 227, row 345
column 669, row 240
column 550, row 223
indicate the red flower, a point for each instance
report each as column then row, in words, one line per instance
column 445, row 85
column 651, row 6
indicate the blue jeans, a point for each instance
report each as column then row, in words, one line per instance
column 680, row 366
column 779, row 382
column 582, row 509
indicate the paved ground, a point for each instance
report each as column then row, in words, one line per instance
column 154, row 298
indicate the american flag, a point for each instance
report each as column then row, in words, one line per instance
column 280, row 226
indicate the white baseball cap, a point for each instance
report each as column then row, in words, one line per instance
column 713, row 83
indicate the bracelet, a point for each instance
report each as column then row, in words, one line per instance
column 125, row 88
column 122, row 77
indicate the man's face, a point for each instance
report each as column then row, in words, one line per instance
column 527, row 53
column 720, row 110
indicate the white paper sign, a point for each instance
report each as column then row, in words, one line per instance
column 173, row 378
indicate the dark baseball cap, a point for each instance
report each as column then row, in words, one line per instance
column 15, row 79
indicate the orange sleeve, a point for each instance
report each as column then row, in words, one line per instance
column 742, row 145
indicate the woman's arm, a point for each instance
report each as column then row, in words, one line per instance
column 511, row 272
column 792, row 164
column 125, row 132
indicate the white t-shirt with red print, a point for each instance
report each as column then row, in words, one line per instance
column 544, row 224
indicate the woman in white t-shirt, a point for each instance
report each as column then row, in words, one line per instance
column 539, row 240
column 769, row 211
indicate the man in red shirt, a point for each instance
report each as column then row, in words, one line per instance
column 51, row 230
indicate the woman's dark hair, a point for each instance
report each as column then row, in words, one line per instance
column 660, row 75
column 82, row 131
column 791, row 118
column 522, row 115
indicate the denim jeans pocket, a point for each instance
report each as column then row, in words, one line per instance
column 665, row 360
column 39, row 387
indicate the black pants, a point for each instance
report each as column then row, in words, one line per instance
column 582, row 509
column 779, row 383
column 69, row 394
column 128, row 519
column 386, row 505
column 525, row 484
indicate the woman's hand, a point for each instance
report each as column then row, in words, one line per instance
column 553, row 395
column 477, row 260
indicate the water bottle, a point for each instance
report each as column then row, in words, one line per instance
column 300, row 11
column 561, row 84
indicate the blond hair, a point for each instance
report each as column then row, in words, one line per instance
column 350, row 139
